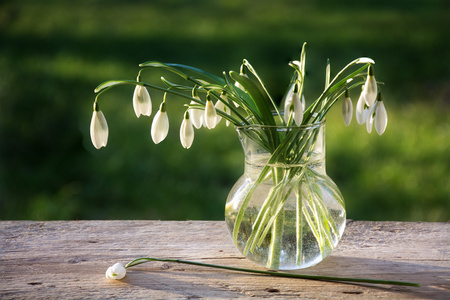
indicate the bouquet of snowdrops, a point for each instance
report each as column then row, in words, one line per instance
column 244, row 100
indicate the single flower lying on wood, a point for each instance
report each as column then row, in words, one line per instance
column 119, row 270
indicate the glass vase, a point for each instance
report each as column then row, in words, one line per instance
column 285, row 212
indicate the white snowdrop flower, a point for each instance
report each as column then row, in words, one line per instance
column 297, row 111
column 379, row 114
column 99, row 128
column 360, row 108
column 288, row 98
column 297, row 63
column 370, row 87
column 210, row 113
column 160, row 124
column 196, row 115
column 365, row 60
column 288, row 101
column 186, row 131
column 347, row 108
column 369, row 118
column 117, row 271
column 219, row 106
column 141, row 101
column 381, row 118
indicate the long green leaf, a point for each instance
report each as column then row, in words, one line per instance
column 111, row 83
column 157, row 64
column 253, row 71
column 260, row 100
column 271, row 273
column 200, row 71
column 174, row 69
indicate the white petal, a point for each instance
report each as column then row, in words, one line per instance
column 347, row 110
column 303, row 102
column 370, row 90
column 298, row 109
column 219, row 106
column 238, row 85
column 365, row 60
column 117, row 272
column 141, row 101
column 196, row 116
column 366, row 114
column 381, row 118
column 210, row 115
column 99, row 130
column 360, row 118
column 160, row 127
column 369, row 123
column 369, row 117
column 186, row 133
column 288, row 102
column 297, row 63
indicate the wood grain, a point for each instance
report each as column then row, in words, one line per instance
column 68, row 260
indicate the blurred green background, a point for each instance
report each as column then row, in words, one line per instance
column 54, row 53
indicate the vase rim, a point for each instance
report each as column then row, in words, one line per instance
column 282, row 127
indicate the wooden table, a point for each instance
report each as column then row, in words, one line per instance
column 68, row 260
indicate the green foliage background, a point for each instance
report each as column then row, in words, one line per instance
column 54, row 53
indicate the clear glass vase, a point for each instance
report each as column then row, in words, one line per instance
column 285, row 212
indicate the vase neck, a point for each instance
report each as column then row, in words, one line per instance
column 283, row 146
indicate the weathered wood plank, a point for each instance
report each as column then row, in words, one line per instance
column 54, row 260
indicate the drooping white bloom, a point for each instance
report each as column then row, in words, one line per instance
column 298, row 109
column 160, row 125
column 210, row 114
column 99, row 128
column 370, row 88
column 366, row 114
column 347, row 109
column 369, row 122
column 293, row 99
column 288, row 98
column 381, row 118
column 360, row 118
column 196, row 115
column 219, row 106
column 288, row 101
column 365, row 60
column 369, row 115
column 297, row 63
column 186, row 131
column 141, row 101
column 117, row 272
column 378, row 115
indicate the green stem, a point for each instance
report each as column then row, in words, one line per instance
column 275, row 242
column 299, row 224
column 271, row 273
